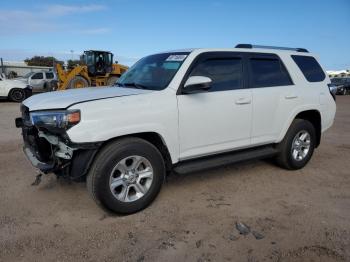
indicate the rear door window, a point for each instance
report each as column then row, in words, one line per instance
column 49, row 75
column 268, row 72
column 310, row 68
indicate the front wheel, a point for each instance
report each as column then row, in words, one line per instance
column 17, row 95
column 126, row 176
column 77, row 82
column 298, row 145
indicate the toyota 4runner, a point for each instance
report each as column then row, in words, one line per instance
column 180, row 111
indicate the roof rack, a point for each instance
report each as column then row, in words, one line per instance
column 298, row 49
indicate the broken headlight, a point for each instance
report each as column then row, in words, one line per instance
column 55, row 120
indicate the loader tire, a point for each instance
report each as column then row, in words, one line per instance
column 112, row 80
column 78, row 82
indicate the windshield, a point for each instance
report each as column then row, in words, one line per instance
column 153, row 72
column 28, row 75
column 338, row 80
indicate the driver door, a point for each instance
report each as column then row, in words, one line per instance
column 219, row 119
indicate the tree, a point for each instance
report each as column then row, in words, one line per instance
column 72, row 63
column 42, row 61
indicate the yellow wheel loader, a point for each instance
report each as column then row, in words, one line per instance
column 98, row 70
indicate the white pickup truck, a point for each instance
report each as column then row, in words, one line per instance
column 180, row 111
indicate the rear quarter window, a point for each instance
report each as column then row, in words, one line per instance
column 310, row 68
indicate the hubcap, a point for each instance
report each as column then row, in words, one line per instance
column 301, row 145
column 131, row 178
column 17, row 95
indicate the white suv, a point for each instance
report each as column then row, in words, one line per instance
column 14, row 90
column 180, row 111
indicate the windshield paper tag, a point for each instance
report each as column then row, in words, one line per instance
column 176, row 58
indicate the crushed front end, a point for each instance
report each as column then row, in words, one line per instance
column 47, row 145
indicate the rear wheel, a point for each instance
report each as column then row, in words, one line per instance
column 78, row 82
column 112, row 80
column 298, row 145
column 17, row 95
column 126, row 176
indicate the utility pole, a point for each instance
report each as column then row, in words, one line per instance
column 2, row 66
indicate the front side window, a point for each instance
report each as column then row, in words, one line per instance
column 153, row 72
column 268, row 72
column 38, row 76
column 226, row 73
column 310, row 68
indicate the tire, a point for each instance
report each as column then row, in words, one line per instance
column 106, row 169
column 53, row 85
column 47, row 86
column 111, row 81
column 17, row 95
column 285, row 157
column 344, row 92
column 78, row 82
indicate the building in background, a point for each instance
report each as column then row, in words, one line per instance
column 13, row 69
column 340, row 73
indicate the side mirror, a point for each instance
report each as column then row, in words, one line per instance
column 197, row 84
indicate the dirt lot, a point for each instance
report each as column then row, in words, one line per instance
column 303, row 215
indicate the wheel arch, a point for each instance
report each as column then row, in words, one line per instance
column 152, row 137
column 311, row 115
column 314, row 117
column 89, row 156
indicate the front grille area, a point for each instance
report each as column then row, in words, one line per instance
column 38, row 145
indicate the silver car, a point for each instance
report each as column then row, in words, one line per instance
column 40, row 81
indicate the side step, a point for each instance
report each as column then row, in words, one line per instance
column 202, row 163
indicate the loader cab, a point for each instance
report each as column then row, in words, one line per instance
column 99, row 63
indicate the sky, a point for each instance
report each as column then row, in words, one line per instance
column 132, row 29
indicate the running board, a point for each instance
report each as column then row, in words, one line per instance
column 202, row 163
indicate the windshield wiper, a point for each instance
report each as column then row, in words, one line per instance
column 135, row 85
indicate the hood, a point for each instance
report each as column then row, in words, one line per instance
column 66, row 98
column 21, row 79
column 15, row 82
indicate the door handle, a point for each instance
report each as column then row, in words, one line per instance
column 243, row 101
column 291, row 96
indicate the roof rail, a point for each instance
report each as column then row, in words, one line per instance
column 298, row 49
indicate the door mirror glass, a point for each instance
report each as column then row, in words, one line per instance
column 197, row 84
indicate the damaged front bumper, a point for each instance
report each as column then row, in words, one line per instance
column 42, row 166
column 55, row 153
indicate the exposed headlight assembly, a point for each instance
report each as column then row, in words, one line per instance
column 55, row 120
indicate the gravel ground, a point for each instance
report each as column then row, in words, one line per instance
column 301, row 215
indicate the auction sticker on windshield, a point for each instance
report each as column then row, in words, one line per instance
column 176, row 58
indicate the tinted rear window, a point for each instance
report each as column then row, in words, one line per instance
column 49, row 75
column 310, row 68
column 268, row 72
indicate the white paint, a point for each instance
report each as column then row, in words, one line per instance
column 199, row 124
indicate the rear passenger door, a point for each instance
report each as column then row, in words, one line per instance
column 274, row 96
column 219, row 119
